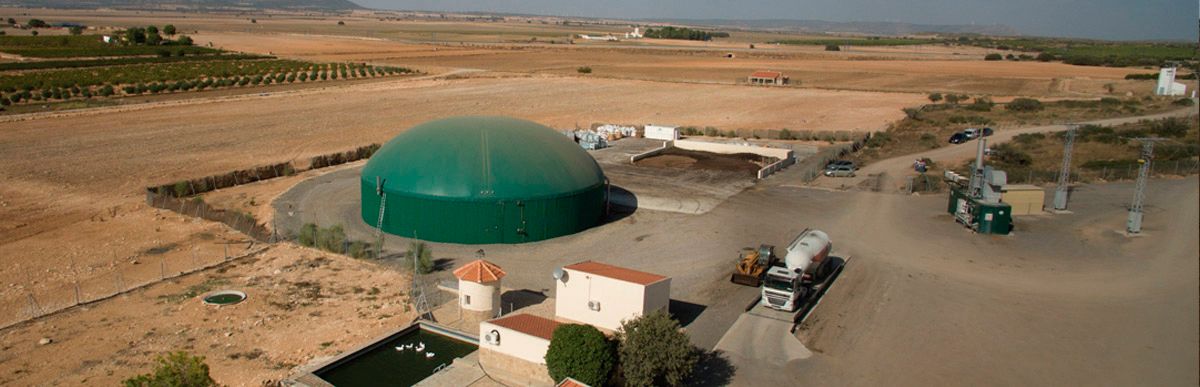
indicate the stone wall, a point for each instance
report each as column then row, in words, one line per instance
column 513, row 371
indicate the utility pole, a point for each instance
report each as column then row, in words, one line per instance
column 1134, row 224
column 379, row 224
column 1064, row 174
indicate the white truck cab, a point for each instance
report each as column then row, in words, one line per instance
column 786, row 287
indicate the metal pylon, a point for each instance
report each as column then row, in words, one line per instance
column 1064, row 174
column 420, row 302
column 1134, row 224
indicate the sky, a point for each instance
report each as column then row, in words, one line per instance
column 1099, row 19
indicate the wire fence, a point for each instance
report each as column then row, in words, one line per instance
column 933, row 183
column 88, row 285
column 811, row 167
column 74, row 285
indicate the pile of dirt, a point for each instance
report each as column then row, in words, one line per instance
column 676, row 158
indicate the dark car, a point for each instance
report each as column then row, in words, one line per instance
column 958, row 138
column 987, row 132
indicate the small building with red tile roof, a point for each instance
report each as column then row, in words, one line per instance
column 770, row 78
column 479, row 286
column 513, row 348
column 604, row 295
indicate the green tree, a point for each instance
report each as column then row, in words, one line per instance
column 655, row 351
column 37, row 23
column 135, row 35
column 832, row 47
column 785, row 134
column 935, row 97
column 76, row 30
column 1045, row 57
column 33, row 33
column 580, row 352
column 423, row 254
column 993, row 57
column 952, row 99
column 169, row 29
column 184, row 40
column 176, row 369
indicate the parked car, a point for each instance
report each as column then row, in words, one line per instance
column 840, row 171
column 971, row 133
column 958, row 138
column 837, row 163
column 987, row 132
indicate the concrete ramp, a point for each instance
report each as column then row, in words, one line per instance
column 760, row 339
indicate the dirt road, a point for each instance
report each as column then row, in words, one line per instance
column 895, row 170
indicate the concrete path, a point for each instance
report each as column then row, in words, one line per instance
column 758, row 340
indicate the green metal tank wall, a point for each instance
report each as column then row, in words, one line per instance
column 478, row 180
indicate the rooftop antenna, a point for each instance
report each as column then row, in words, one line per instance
column 1064, row 174
column 1134, row 225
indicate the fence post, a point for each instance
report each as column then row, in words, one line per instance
column 162, row 267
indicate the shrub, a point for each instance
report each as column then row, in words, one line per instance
column 1007, row 154
column 935, row 97
column 175, row 369
column 169, row 29
column 913, row 113
column 580, row 352
column 952, row 99
column 785, row 134
column 654, row 351
column 106, row 91
column 879, row 139
column 1183, row 102
column 1028, row 138
column 832, row 47
column 584, row 70
column 1045, row 57
column 982, row 104
column 423, row 254
column 993, row 56
column 332, row 239
column 1024, row 105
column 308, row 235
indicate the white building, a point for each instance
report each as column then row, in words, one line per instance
column 513, row 348
column 1167, row 85
column 605, row 295
column 479, row 286
column 659, row 132
column 636, row 34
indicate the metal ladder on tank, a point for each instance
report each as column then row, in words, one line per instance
column 379, row 223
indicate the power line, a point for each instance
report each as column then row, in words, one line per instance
column 1134, row 224
column 1064, row 174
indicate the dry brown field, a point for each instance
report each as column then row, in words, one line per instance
column 72, row 201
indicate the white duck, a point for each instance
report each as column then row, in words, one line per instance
column 400, row 349
column 420, row 347
column 429, row 355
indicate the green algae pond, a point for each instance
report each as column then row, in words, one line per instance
column 403, row 359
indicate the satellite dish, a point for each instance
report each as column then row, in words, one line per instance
column 560, row 274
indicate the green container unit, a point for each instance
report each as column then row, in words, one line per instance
column 993, row 218
column 479, row 180
column 986, row 218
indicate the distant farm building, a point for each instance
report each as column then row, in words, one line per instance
column 1167, row 85
column 768, row 78
column 659, row 132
